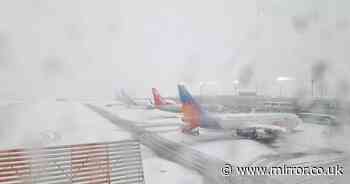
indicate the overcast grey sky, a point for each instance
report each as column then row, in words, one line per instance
column 88, row 48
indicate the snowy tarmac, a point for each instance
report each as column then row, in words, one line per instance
column 49, row 123
column 308, row 145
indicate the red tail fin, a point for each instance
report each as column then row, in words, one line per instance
column 158, row 100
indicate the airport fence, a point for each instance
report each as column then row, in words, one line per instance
column 98, row 163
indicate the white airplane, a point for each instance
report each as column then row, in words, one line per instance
column 250, row 125
column 130, row 102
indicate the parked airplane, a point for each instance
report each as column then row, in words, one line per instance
column 250, row 125
column 318, row 118
column 130, row 102
column 172, row 106
column 164, row 104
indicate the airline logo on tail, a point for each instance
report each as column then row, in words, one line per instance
column 164, row 104
column 190, row 108
column 194, row 115
column 158, row 100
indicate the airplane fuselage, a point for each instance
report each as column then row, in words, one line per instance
column 252, row 125
column 169, row 108
column 285, row 121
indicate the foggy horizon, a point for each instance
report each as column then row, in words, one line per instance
column 83, row 49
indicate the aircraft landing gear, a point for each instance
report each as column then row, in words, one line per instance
column 191, row 131
column 247, row 133
column 195, row 131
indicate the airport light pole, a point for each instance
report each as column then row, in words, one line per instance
column 280, row 80
column 235, row 85
column 312, row 87
column 280, row 89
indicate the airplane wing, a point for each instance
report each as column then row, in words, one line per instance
column 272, row 128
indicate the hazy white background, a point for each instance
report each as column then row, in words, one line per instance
column 89, row 48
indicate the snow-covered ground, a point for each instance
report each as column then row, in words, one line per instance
column 50, row 123
column 309, row 138
column 143, row 115
column 159, row 171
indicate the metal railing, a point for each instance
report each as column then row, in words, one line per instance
column 108, row 162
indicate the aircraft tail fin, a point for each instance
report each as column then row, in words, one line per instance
column 126, row 98
column 158, row 100
column 191, row 109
